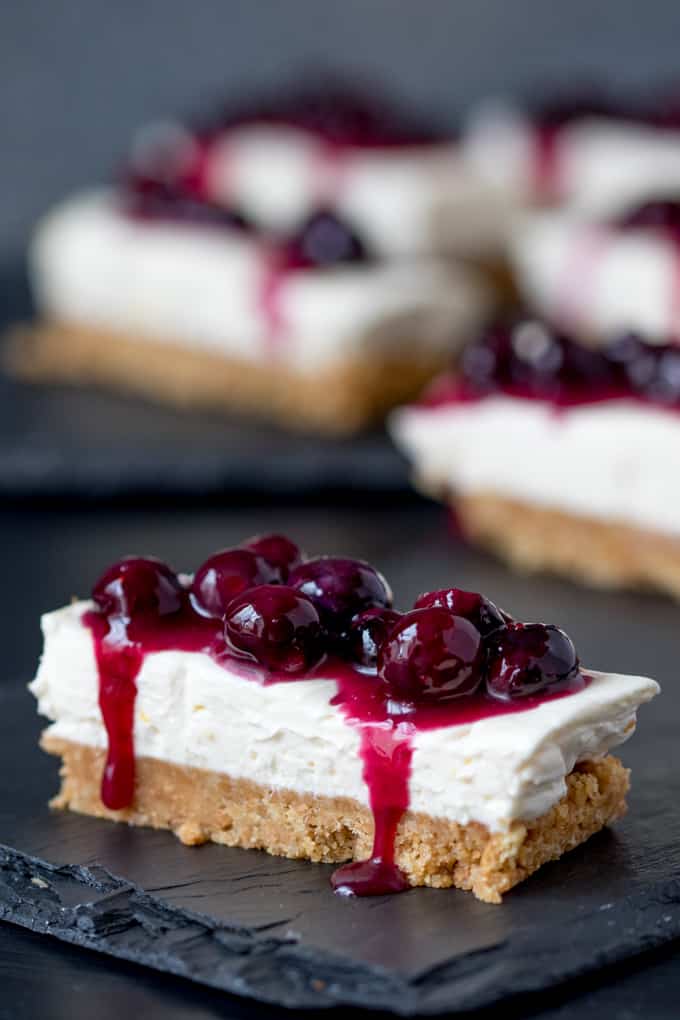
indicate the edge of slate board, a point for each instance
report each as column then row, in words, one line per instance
column 227, row 455
column 94, row 909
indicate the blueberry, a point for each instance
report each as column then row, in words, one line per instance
column 138, row 584
column 431, row 655
column 529, row 658
column 276, row 626
column 225, row 575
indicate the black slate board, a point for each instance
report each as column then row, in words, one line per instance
column 60, row 441
column 271, row 928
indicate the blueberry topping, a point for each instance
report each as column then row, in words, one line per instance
column 275, row 626
column 527, row 355
column 431, row 654
column 530, row 359
column 529, row 658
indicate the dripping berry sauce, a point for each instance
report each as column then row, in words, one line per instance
column 268, row 613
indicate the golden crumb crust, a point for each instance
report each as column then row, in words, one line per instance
column 356, row 391
column 601, row 553
column 199, row 805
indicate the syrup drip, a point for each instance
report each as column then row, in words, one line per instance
column 386, row 730
column 545, row 163
column 274, row 274
column 118, row 661
column 386, row 753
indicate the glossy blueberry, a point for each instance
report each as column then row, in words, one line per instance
column 529, row 658
column 479, row 610
column 341, row 588
column 276, row 626
column 431, row 654
column 278, row 551
column 138, row 584
column 367, row 633
column 225, row 575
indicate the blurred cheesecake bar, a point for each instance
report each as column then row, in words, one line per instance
column 281, row 703
column 279, row 262
column 558, row 456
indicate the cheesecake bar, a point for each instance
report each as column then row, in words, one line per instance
column 277, row 702
column 556, row 455
column 294, row 263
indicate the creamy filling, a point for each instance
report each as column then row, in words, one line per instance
column 615, row 461
column 191, row 711
column 593, row 278
column 209, row 289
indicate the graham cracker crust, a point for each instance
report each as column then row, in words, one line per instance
column 353, row 393
column 199, row 806
column 601, row 553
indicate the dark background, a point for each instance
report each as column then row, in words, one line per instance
column 77, row 76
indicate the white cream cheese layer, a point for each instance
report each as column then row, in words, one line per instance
column 597, row 279
column 616, row 461
column 191, row 711
column 410, row 200
column 202, row 288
